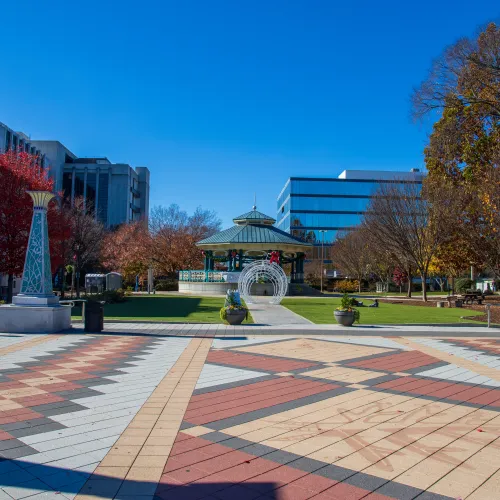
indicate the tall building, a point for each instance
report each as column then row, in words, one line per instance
column 317, row 209
column 118, row 192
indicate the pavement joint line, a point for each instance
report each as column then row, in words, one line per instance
column 154, row 428
column 20, row 346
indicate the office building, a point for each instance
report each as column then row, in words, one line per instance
column 118, row 192
column 10, row 139
column 316, row 209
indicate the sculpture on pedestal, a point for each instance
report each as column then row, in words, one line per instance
column 36, row 308
column 36, row 287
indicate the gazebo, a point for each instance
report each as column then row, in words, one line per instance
column 225, row 254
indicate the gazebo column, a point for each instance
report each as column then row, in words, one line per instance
column 229, row 260
column 240, row 260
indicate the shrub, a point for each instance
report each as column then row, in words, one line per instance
column 464, row 284
column 347, row 304
column 109, row 296
column 167, row 286
column 347, row 286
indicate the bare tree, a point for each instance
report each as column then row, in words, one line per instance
column 350, row 253
column 86, row 237
column 468, row 73
column 410, row 223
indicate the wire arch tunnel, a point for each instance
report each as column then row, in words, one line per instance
column 263, row 269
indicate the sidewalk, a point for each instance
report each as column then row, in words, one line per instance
column 264, row 313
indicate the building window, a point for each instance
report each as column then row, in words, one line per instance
column 91, row 191
column 27, row 148
column 33, row 150
column 79, row 184
column 67, row 185
column 102, row 211
column 14, row 142
column 8, row 138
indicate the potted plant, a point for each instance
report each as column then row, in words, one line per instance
column 346, row 314
column 233, row 312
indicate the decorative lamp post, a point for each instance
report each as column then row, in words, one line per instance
column 36, row 287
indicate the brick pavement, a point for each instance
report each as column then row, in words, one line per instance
column 274, row 417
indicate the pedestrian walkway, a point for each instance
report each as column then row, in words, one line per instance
column 267, row 314
column 217, row 417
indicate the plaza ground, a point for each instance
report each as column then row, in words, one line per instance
column 186, row 411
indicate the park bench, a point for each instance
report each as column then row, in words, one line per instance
column 470, row 296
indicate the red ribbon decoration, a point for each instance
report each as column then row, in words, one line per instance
column 275, row 257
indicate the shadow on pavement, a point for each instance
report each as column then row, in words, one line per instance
column 19, row 478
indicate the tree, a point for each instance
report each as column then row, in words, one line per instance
column 19, row 173
column 350, row 253
column 174, row 235
column 400, row 277
column 411, row 223
column 127, row 250
column 87, row 235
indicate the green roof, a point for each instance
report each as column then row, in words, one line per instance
column 253, row 217
column 252, row 233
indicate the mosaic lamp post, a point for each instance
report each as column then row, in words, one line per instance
column 36, row 287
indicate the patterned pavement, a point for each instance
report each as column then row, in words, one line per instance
column 141, row 416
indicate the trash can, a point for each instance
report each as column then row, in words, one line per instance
column 94, row 316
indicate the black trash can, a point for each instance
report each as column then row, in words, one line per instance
column 94, row 317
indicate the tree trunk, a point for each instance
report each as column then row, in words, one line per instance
column 409, row 284
column 359, row 286
column 424, row 287
column 10, row 288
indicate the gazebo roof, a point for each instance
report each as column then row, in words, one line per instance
column 254, row 230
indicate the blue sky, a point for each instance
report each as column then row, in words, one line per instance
column 224, row 98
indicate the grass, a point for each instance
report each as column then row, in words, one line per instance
column 168, row 308
column 393, row 294
column 320, row 311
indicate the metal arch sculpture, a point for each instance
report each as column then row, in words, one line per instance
column 263, row 269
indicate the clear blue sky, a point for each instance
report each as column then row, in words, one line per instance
column 224, row 98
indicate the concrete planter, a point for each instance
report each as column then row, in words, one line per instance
column 236, row 316
column 344, row 318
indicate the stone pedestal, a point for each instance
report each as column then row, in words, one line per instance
column 22, row 319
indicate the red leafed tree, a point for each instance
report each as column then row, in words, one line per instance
column 19, row 172
column 399, row 277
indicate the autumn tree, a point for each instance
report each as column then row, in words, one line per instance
column 127, row 250
column 19, row 173
column 174, row 235
column 350, row 253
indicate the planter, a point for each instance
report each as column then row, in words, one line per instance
column 344, row 318
column 235, row 316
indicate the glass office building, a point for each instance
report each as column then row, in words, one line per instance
column 319, row 208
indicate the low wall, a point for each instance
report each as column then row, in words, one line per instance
column 213, row 288
column 205, row 288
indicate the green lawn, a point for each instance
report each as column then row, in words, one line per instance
column 170, row 308
column 320, row 311
column 392, row 294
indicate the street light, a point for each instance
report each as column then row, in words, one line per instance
column 322, row 231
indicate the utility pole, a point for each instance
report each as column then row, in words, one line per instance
column 322, row 231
